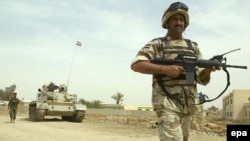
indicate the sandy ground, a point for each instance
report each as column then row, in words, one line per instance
column 91, row 129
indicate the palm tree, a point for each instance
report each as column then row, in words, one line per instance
column 118, row 97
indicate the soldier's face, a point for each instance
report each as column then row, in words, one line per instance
column 176, row 25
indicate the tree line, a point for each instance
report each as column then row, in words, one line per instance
column 6, row 93
column 118, row 97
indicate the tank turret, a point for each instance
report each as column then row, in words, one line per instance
column 46, row 95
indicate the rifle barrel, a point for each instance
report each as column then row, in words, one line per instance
column 234, row 66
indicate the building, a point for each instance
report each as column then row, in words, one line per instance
column 247, row 109
column 235, row 105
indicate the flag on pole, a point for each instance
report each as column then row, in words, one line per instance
column 78, row 43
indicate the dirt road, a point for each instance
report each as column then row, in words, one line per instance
column 57, row 130
column 54, row 129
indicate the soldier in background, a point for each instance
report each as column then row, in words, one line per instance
column 52, row 86
column 12, row 106
column 173, row 100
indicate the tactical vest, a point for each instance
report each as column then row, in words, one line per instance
column 181, row 93
column 170, row 51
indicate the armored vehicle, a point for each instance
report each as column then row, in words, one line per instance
column 54, row 100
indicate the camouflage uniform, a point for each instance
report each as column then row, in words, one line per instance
column 173, row 111
column 13, row 102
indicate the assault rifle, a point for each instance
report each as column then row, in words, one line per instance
column 190, row 65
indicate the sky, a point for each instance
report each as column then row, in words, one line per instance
column 38, row 45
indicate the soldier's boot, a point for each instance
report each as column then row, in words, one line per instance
column 11, row 120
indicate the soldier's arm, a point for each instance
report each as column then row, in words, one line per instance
column 147, row 68
column 204, row 76
column 150, row 68
column 9, row 103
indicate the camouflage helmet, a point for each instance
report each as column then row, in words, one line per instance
column 174, row 8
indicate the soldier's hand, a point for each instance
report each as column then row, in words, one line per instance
column 173, row 70
column 216, row 68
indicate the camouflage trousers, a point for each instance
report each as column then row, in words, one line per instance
column 12, row 112
column 173, row 122
column 172, row 126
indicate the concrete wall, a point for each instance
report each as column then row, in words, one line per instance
column 121, row 112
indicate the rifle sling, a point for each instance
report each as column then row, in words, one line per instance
column 228, row 83
column 160, row 83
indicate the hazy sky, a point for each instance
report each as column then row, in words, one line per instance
column 38, row 37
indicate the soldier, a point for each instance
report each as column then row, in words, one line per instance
column 52, row 86
column 173, row 99
column 12, row 106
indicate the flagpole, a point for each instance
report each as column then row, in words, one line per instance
column 71, row 63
